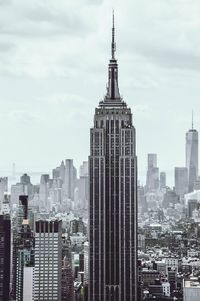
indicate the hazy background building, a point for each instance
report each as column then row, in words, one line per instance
column 152, row 179
column 3, row 189
column 163, row 179
column 181, row 180
column 192, row 157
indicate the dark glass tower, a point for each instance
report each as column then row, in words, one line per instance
column 5, row 239
column 113, row 197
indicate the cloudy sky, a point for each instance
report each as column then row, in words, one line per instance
column 53, row 72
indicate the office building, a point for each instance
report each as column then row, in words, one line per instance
column 86, row 260
column 181, row 180
column 162, row 180
column 70, row 179
column 24, row 258
column 28, row 283
column 5, row 251
column 16, row 191
column 44, row 193
column 113, row 197
column 192, row 157
column 192, row 205
column 152, row 180
column 67, row 282
column 3, row 189
column 191, row 289
column 48, row 260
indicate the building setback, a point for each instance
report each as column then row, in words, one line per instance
column 113, row 197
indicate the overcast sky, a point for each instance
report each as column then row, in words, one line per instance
column 53, row 72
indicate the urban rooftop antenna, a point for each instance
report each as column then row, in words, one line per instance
column 113, row 45
column 192, row 120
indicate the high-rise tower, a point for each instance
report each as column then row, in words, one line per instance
column 152, row 181
column 48, row 260
column 113, row 197
column 5, row 248
column 192, row 156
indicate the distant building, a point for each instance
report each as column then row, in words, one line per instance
column 86, row 260
column 149, row 277
column 82, row 184
column 28, row 283
column 162, row 180
column 22, row 247
column 24, row 258
column 67, row 282
column 84, row 169
column 192, row 205
column 44, row 193
column 6, row 204
column 192, row 157
column 166, row 289
column 152, row 180
column 48, row 260
column 170, row 197
column 181, row 180
column 197, row 184
column 5, row 249
column 77, row 226
column 16, row 191
column 25, row 179
column 191, row 289
column 141, row 242
column 152, row 161
column 3, row 189
column 70, row 179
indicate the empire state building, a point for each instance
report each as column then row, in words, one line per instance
column 113, row 196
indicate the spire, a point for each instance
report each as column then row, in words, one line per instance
column 192, row 120
column 113, row 45
column 113, row 95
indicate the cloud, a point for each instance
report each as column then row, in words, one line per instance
column 37, row 18
column 6, row 46
column 53, row 70
column 23, row 118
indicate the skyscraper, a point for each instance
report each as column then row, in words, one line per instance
column 192, row 156
column 3, row 189
column 152, row 181
column 24, row 257
column 181, row 180
column 48, row 260
column 162, row 179
column 5, row 247
column 113, row 197
column 67, row 282
column 70, row 179
column 22, row 241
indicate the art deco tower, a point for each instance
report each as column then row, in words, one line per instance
column 113, row 197
column 192, row 156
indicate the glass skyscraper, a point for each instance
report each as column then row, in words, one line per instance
column 192, row 157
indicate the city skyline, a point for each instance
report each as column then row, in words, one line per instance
column 45, row 85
